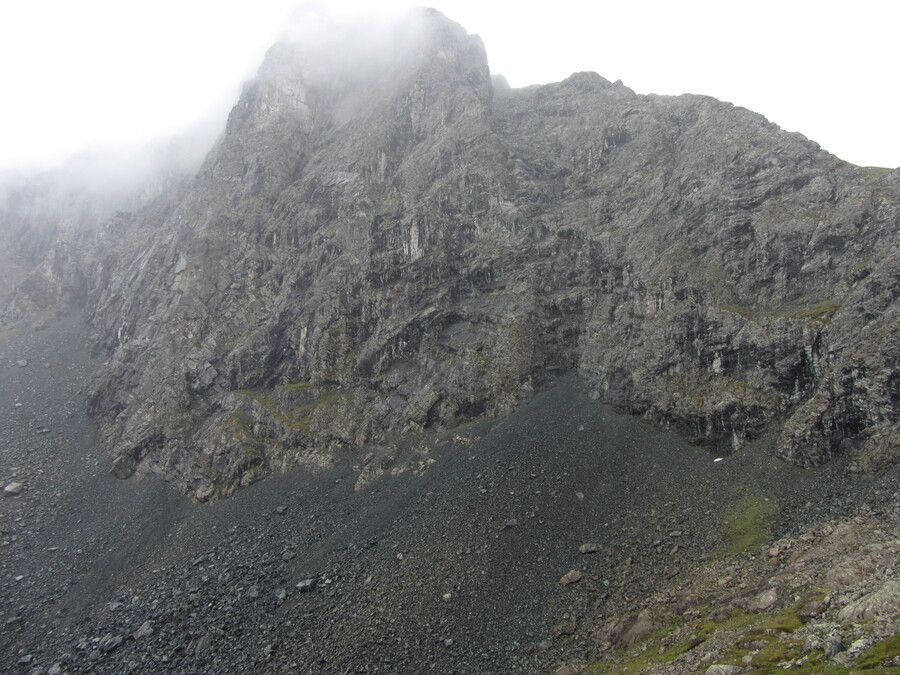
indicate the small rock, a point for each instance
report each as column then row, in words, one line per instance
column 109, row 642
column 509, row 524
column 25, row 660
column 280, row 594
column 55, row 669
column 763, row 601
column 589, row 548
column 719, row 669
column 204, row 643
column 22, row 363
column 642, row 627
column 447, row 597
column 146, row 630
column 811, row 610
column 566, row 627
column 280, row 510
column 253, row 592
column 813, row 643
column 565, row 670
column 570, row 577
column 13, row 489
column 204, row 492
column 306, row 585
column 833, row 646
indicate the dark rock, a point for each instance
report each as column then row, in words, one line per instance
column 306, row 585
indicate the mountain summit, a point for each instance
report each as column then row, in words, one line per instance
column 383, row 241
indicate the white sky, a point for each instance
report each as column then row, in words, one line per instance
column 81, row 72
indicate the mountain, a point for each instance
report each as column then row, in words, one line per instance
column 386, row 239
column 412, row 369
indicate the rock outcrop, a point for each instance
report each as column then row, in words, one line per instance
column 386, row 239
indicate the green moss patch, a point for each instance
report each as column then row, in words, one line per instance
column 749, row 524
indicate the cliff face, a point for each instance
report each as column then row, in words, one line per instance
column 48, row 220
column 382, row 240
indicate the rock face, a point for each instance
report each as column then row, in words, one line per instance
column 382, row 239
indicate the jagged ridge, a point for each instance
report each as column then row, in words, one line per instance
column 385, row 243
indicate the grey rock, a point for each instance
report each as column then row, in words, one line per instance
column 882, row 602
column 22, row 363
column 833, row 646
column 280, row 594
column 719, row 669
column 762, row 601
column 110, row 642
column 13, row 488
column 146, row 630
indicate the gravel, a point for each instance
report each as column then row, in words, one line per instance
column 456, row 570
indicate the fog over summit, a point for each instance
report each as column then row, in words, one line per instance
column 106, row 73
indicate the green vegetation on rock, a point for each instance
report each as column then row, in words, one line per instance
column 749, row 524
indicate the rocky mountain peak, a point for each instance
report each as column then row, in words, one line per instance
column 380, row 245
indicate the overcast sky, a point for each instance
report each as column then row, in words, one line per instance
column 82, row 72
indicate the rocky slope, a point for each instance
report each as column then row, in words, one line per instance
column 452, row 562
column 386, row 240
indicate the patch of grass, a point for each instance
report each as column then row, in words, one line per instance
column 749, row 524
column 777, row 652
column 297, row 386
column 821, row 311
column 738, row 309
column 874, row 173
